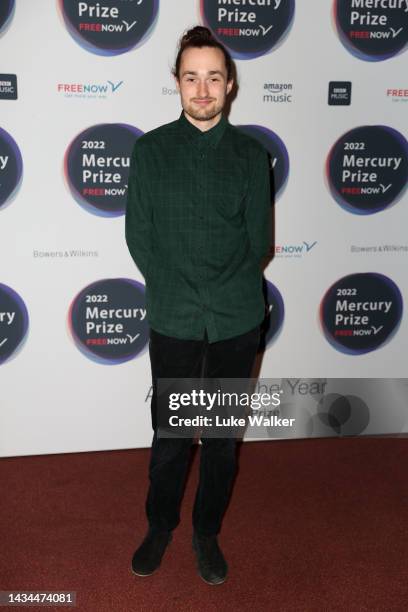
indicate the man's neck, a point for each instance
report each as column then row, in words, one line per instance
column 203, row 126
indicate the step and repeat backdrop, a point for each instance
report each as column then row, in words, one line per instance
column 322, row 84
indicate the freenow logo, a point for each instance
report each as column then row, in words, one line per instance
column 372, row 30
column 367, row 169
column 13, row 323
column 272, row 325
column 6, row 13
column 11, row 168
column 339, row 93
column 8, row 87
column 278, row 93
column 96, row 167
column 248, row 28
column 89, row 90
column 108, row 322
column 361, row 312
column 279, row 157
column 294, row 250
column 397, row 95
column 110, row 27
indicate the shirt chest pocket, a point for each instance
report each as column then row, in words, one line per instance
column 227, row 193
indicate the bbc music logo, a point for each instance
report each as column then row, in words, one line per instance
column 8, row 87
column 109, row 28
column 339, row 93
column 248, row 30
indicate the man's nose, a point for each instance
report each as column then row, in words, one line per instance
column 203, row 89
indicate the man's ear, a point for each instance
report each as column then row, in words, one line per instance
column 230, row 85
column 177, row 82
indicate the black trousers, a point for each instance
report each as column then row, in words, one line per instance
column 175, row 358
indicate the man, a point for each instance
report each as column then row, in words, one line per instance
column 197, row 227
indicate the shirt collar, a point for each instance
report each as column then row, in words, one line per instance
column 210, row 137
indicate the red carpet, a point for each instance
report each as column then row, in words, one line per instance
column 314, row 525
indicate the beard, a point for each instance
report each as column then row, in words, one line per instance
column 203, row 114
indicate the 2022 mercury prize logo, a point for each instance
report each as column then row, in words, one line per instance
column 248, row 28
column 279, row 157
column 108, row 321
column 361, row 312
column 13, row 322
column 110, row 27
column 11, row 167
column 372, row 30
column 6, row 13
column 367, row 168
column 96, row 167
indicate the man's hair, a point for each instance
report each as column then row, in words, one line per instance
column 201, row 37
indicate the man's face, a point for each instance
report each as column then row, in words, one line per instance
column 203, row 85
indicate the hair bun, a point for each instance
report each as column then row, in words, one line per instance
column 197, row 32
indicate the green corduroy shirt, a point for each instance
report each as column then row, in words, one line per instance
column 197, row 227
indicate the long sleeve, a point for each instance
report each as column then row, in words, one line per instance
column 197, row 227
column 138, row 214
column 258, row 207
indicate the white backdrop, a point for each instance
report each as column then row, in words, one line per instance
column 54, row 398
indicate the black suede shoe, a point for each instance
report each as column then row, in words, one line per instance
column 212, row 566
column 148, row 556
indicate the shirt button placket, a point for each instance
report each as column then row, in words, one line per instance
column 201, row 186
